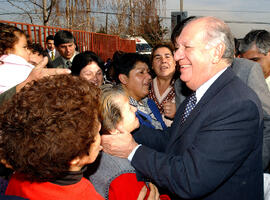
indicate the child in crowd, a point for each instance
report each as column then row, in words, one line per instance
column 14, row 57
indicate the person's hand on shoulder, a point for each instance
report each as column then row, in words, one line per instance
column 120, row 145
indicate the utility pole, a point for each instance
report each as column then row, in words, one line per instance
column 181, row 5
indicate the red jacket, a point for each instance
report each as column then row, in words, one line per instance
column 49, row 191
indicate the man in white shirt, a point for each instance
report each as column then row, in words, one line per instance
column 215, row 152
column 51, row 48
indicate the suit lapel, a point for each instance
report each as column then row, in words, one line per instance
column 222, row 81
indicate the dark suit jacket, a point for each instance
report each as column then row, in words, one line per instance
column 59, row 62
column 216, row 154
column 251, row 74
column 50, row 65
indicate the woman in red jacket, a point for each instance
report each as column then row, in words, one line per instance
column 49, row 132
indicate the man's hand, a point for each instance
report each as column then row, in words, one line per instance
column 41, row 71
column 120, row 145
column 169, row 109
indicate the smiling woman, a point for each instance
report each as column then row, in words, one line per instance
column 89, row 66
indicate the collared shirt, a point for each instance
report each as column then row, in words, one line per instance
column 204, row 87
column 50, row 53
column 199, row 93
column 268, row 82
column 71, row 59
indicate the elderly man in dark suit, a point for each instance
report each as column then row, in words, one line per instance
column 251, row 74
column 213, row 149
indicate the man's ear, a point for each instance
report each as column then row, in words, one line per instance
column 218, row 52
column 123, row 78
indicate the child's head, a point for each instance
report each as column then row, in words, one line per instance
column 13, row 41
column 50, row 127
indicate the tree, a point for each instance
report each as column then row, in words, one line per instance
column 137, row 17
column 42, row 9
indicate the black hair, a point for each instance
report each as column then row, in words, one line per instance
column 179, row 27
column 62, row 37
column 83, row 59
column 37, row 48
column 125, row 62
column 49, row 37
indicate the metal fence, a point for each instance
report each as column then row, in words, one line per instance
column 102, row 44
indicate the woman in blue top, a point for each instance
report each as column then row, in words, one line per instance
column 132, row 71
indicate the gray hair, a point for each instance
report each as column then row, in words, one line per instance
column 260, row 38
column 110, row 109
column 217, row 31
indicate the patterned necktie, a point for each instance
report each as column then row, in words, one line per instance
column 68, row 64
column 52, row 55
column 189, row 107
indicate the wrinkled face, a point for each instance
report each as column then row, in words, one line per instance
column 163, row 63
column 129, row 120
column 35, row 58
column 92, row 73
column 193, row 57
column 138, row 81
column 264, row 60
column 66, row 50
column 20, row 48
column 50, row 45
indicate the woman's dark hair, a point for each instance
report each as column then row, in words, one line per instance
column 125, row 62
column 171, row 48
column 161, row 45
column 47, row 124
column 8, row 37
column 83, row 59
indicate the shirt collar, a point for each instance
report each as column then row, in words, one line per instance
column 71, row 59
column 204, row 87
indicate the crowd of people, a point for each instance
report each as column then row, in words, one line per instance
column 192, row 121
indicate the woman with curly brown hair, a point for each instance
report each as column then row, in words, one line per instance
column 14, row 57
column 49, row 132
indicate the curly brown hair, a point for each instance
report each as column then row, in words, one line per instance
column 8, row 38
column 47, row 124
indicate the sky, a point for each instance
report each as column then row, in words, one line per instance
column 230, row 11
column 257, row 11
